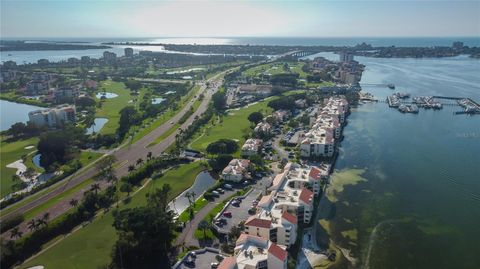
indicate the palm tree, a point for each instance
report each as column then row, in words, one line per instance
column 131, row 168
column 95, row 187
column 45, row 217
column 73, row 202
column 15, row 233
column 139, row 161
column 32, row 225
column 204, row 225
column 149, row 155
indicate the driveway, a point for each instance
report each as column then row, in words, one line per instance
column 240, row 213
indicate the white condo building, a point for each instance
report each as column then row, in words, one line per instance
column 53, row 117
column 253, row 252
column 251, row 147
column 236, row 170
column 320, row 140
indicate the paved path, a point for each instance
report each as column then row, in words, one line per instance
column 126, row 156
column 187, row 236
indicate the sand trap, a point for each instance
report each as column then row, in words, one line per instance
column 29, row 147
column 21, row 168
column 36, row 267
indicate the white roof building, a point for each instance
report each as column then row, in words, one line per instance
column 236, row 170
column 251, row 147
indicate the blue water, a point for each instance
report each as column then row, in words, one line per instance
column 11, row 113
column 418, row 205
column 157, row 100
column 55, row 56
column 203, row 182
column 97, row 126
column 108, row 95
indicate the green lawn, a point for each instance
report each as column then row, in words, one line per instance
column 232, row 126
column 10, row 152
column 199, row 204
column 151, row 124
column 90, row 247
column 276, row 68
column 111, row 107
column 85, row 158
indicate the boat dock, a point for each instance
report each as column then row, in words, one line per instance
column 470, row 106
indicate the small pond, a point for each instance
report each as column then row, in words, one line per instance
column 108, row 95
column 157, row 100
column 97, row 125
column 203, row 181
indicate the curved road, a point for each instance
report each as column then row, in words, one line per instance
column 127, row 155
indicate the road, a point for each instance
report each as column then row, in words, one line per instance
column 125, row 156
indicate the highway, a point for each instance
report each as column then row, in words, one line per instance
column 126, row 156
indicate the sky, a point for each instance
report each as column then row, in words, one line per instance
column 314, row 18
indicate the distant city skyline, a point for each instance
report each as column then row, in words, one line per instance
column 37, row 19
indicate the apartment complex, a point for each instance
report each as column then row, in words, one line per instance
column 320, row 140
column 263, row 128
column 236, row 170
column 53, row 117
column 251, row 147
column 255, row 252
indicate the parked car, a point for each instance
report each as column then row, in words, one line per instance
column 214, row 265
column 236, row 203
column 215, row 193
column 252, row 210
column 189, row 262
column 228, row 186
column 193, row 254
column 220, row 190
column 227, row 214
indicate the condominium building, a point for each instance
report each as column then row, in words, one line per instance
column 263, row 128
column 320, row 140
column 251, row 147
column 255, row 252
column 129, row 52
column 236, row 170
column 53, row 117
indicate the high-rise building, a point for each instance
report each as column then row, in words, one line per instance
column 53, row 117
column 129, row 52
column 346, row 56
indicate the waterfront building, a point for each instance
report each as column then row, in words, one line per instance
column 346, row 56
column 43, row 62
column 9, row 65
column 255, row 252
column 109, row 57
column 319, row 141
column 251, row 147
column 7, row 75
column 85, row 59
column 53, row 117
column 128, row 52
column 236, row 170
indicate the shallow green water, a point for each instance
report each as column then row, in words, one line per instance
column 416, row 202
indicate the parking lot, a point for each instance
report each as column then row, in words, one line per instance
column 240, row 213
column 203, row 260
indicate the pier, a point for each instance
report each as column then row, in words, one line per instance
column 387, row 85
column 470, row 106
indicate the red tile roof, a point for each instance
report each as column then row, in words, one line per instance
column 315, row 173
column 289, row 217
column 261, row 223
column 278, row 252
column 306, row 196
column 227, row 263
